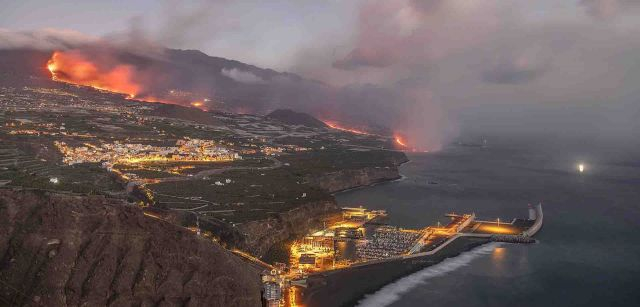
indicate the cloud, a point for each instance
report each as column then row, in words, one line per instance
column 43, row 39
column 191, row 24
column 363, row 58
column 608, row 9
column 518, row 64
column 412, row 31
column 440, row 61
column 242, row 76
column 510, row 75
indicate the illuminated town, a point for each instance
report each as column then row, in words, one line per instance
column 186, row 150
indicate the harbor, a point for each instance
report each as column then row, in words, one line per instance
column 362, row 246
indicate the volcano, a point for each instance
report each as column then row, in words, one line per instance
column 193, row 79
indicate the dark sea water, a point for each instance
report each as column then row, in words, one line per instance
column 589, row 247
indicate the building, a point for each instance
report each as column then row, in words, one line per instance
column 272, row 293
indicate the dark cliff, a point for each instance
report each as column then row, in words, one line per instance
column 260, row 236
column 348, row 178
column 257, row 237
column 353, row 178
column 61, row 250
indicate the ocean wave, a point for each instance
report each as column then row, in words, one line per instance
column 394, row 291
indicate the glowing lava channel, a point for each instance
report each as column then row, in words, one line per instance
column 336, row 126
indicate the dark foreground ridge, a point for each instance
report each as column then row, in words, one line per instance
column 63, row 250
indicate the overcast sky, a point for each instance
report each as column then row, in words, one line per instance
column 569, row 67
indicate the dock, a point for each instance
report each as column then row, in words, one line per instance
column 433, row 244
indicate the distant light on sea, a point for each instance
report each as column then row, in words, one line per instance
column 581, row 167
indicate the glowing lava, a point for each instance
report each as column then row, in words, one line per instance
column 74, row 67
column 199, row 104
column 336, row 126
column 400, row 141
column 404, row 145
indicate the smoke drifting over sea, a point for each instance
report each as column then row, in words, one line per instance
column 430, row 69
column 490, row 67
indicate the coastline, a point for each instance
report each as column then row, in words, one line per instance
column 275, row 249
column 352, row 286
column 399, row 177
column 347, row 287
column 393, row 291
column 382, row 181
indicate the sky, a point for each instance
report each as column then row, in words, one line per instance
column 513, row 67
column 263, row 33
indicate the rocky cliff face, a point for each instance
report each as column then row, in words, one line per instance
column 260, row 235
column 352, row 178
column 61, row 250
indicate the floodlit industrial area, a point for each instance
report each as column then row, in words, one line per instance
column 361, row 237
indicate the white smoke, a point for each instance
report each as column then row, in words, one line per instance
column 392, row 292
column 242, row 76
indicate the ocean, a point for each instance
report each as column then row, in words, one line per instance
column 589, row 247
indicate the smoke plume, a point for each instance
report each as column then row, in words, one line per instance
column 429, row 70
column 242, row 76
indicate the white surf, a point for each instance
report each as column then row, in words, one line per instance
column 394, row 291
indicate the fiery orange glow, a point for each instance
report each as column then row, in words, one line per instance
column 335, row 125
column 200, row 105
column 403, row 144
column 74, row 67
column 400, row 141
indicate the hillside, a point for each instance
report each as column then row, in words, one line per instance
column 186, row 76
column 291, row 117
column 61, row 250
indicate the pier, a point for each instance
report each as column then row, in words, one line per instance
column 384, row 253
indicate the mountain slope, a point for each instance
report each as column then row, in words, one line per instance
column 185, row 76
column 291, row 117
column 61, row 250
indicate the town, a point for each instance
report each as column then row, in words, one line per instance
column 186, row 150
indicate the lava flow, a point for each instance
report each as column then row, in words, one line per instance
column 199, row 104
column 74, row 67
column 77, row 67
column 403, row 144
column 400, row 141
column 336, row 126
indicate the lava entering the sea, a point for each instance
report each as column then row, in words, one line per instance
column 403, row 144
column 74, row 67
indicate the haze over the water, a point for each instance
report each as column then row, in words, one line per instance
column 566, row 70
